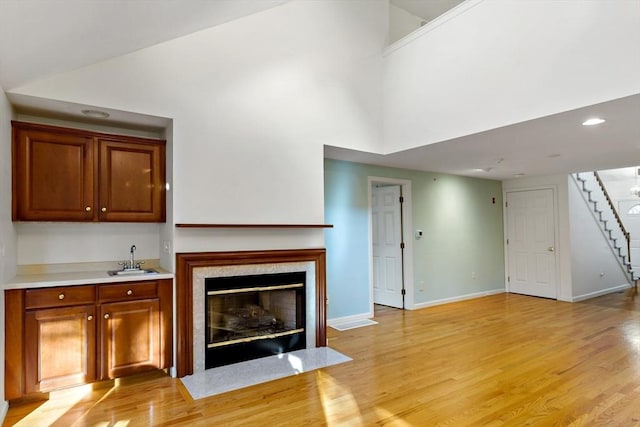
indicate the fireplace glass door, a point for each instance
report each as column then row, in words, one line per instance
column 253, row 316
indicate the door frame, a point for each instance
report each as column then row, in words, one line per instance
column 556, row 234
column 407, row 236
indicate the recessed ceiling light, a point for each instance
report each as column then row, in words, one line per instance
column 96, row 114
column 593, row 121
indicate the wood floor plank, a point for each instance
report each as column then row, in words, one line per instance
column 502, row 360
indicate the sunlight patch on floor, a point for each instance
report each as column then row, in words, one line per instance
column 388, row 417
column 59, row 403
column 338, row 403
column 123, row 423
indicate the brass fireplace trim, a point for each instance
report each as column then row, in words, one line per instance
column 186, row 262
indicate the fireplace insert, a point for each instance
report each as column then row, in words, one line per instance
column 248, row 317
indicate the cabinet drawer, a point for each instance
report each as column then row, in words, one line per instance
column 127, row 291
column 59, row 296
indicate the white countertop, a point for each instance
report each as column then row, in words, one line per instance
column 78, row 278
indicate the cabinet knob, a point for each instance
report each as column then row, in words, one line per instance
column 88, row 209
column 61, row 296
column 103, row 209
column 106, row 316
column 90, row 317
column 129, row 292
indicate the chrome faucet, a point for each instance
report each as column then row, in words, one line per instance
column 131, row 258
column 131, row 264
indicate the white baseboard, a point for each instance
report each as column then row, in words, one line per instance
column 4, row 407
column 347, row 319
column 600, row 293
column 457, row 298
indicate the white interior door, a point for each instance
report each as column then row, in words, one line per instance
column 386, row 243
column 531, row 243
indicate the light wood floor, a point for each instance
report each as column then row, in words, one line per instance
column 500, row 360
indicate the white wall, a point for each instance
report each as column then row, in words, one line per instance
column 401, row 23
column 252, row 102
column 594, row 268
column 7, row 233
column 559, row 184
column 64, row 242
column 497, row 62
column 167, row 260
column 8, row 245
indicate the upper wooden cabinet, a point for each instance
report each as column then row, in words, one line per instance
column 131, row 181
column 62, row 174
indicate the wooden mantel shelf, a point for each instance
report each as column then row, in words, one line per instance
column 183, row 225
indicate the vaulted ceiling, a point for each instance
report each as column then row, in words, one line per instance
column 80, row 32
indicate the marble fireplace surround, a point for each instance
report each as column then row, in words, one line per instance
column 192, row 268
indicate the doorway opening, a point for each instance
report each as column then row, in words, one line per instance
column 390, row 237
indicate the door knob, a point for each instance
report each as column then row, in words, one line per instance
column 103, row 209
column 88, row 209
column 90, row 317
column 106, row 316
column 551, row 249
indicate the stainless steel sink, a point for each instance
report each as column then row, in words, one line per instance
column 132, row 272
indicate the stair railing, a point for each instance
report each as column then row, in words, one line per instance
column 625, row 233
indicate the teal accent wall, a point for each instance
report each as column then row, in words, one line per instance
column 346, row 207
column 462, row 234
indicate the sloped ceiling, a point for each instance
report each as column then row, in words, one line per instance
column 426, row 9
column 83, row 32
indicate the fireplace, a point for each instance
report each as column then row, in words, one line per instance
column 195, row 270
column 252, row 316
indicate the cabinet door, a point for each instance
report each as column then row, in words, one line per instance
column 53, row 176
column 129, row 337
column 132, row 180
column 60, row 347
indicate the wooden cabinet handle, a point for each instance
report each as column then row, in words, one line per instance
column 103, row 209
column 129, row 292
column 88, row 209
column 61, row 296
column 90, row 317
column 106, row 316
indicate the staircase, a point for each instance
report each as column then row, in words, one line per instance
column 619, row 239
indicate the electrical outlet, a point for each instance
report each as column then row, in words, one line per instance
column 166, row 246
column 421, row 285
column 474, row 276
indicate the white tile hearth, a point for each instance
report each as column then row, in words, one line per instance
column 239, row 375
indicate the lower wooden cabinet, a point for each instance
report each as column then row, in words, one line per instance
column 66, row 336
column 129, row 337
column 59, row 348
